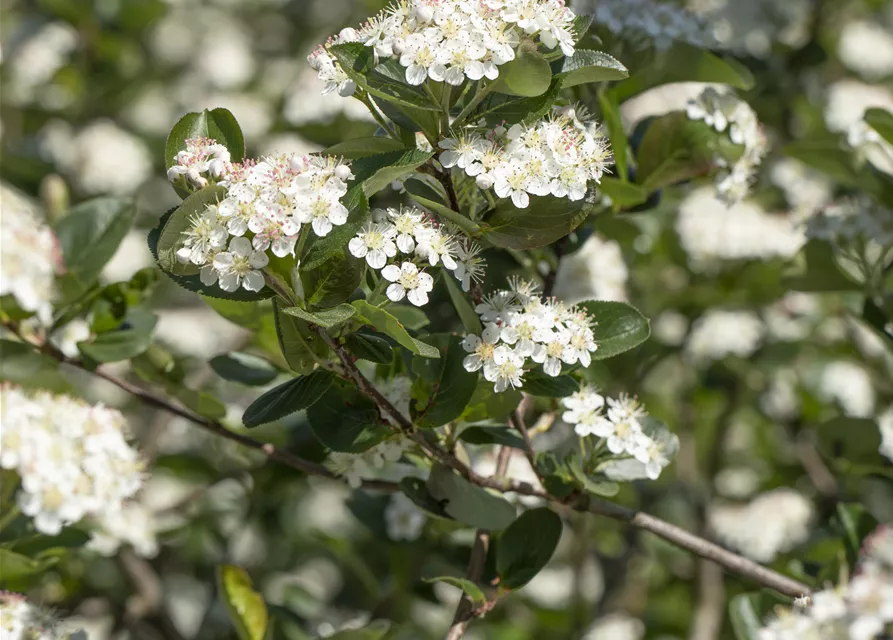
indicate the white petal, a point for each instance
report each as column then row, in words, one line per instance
column 417, row 297
column 396, row 292
column 253, row 281
column 391, row 273
column 357, row 248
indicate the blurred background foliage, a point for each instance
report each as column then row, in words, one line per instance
column 776, row 377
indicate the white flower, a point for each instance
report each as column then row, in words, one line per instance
column 404, row 520
column 201, row 156
column 498, row 307
column 322, row 211
column 435, row 245
column 408, row 281
column 205, row 236
column 134, row 525
column 375, row 243
column 66, row 339
column 511, row 181
column 551, row 351
column 29, row 256
column 409, row 226
column 596, row 271
column 21, row 620
column 72, row 458
column 482, row 350
column 462, row 152
column 504, row 369
column 240, row 266
column 850, row 385
column 469, row 266
column 867, row 48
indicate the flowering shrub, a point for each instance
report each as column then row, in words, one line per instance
column 389, row 340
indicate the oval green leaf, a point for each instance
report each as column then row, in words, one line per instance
column 619, row 327
column 527, row 546
column 289, row 397
column 246, row 607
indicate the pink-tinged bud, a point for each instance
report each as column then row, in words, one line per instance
column 342, row 172
column 424, row 13
column 348, row 34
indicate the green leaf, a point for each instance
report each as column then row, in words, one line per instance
column 598, row 485
column 527, row 546
column 499, row 405
column 849, row 437
column 289, row 397
column 389, row 325
column 200, row 402
column 320, row 250
column 542, row 223
column 450, row 385
column 417, row 490
column 244, row 368
column 218, row 124
column 193, row 282
column 500, row 109
column 528, row 75
column 409, row 316
column 881, row 121
column 675, row 149
column 89, row 236
column 818, row 271
column 855, row 523
column 26, row 367
column 470, row 320
column 344, row 420
column 15, row 567
column 379, row 171
column 300, row 346
column 623, row 194
column 371, row 347
column 325, row 318
column 334, row 281
column 132, row 339
column 747, row 615
column 376, row 630
column 245, row 314
column 44, row 546
column 619, row 327
column 684, row 63
column 246, row 607
column 473, row 591
column 469, row 503
column 427, row 198
column 363, row 147
column 587, row 66
column 616, row 134
column 539, row 384
column 382, row 82
column 492, row 434
column 557, row 479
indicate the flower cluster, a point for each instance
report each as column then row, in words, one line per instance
column 659, row 22
column 21, row 620
column 557, row 156
column 201, row 156
column 860, row 220
column 420, row 241
column 519, row 324
column 861, row 609
column 625, row 427
column 73, row 458
column 29, row 256
column 357, row 466
column 450, row 41
column 134, row 525
column 721, row 332
column 265, row 206
column 723, row 110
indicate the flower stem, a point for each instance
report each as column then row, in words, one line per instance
column 475, row 101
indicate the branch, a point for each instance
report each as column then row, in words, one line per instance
column 465, row 610
column 213, row 426
column 695, row 544
column 671, row 533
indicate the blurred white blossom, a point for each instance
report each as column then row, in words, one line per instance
column 867, row 48
column 772, row 523
column 720, row 332
column 596, row 271
column 404, row 520
column 73, row 458
column 847, row 102
column 22, row 620
column 850, row 385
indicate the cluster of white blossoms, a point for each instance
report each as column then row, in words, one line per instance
column 558, row 155
column 201, row 156
column 623, row 424
column 519, row 324
column 720, row 332
column 773, row 522
column 73, row 458
column 723, row 111
column 134, row 525
column 357, row 466
column 29, row 257
column 21, row 620
column 867, row 48
column 403, row 519
column 450, row 41
column 265, row 206
column 853, row 220
column 861, row 609
column 659, row 23
column 419, row 241
column 847, row 102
